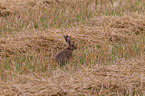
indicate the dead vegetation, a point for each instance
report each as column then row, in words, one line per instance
column 4, row 11
column 20, row 45
column 109, row 35
column 101, row 80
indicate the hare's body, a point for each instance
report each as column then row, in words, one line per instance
column 63, row 56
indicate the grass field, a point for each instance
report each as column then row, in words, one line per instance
column 109, row 34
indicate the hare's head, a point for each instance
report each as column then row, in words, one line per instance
column 71, row 46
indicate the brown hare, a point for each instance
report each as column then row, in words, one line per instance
column 63, row 56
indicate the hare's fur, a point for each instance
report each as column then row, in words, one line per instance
column 62, row 57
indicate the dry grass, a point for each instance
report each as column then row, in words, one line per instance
column 124, row 78
column 109, row 34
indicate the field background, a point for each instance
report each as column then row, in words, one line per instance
column 109, row 34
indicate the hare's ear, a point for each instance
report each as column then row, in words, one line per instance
column 67, row 39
